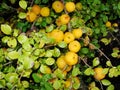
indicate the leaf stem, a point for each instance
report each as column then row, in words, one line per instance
column 115, row 38
column 7, row 63
column 101, row 85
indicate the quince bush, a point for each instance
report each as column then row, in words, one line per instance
column 57, row 45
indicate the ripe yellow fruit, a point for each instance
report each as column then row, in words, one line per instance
column 61, row 62
column 68, row 37
column 71, row 81
column 58, row 6
column 68, row 83
column 71, row 58
column 115, row 25
column 99, row 73
column 70, row 6
column 108, row 24
column 36, row 9
column 45, row 11
column 77, row 33
column 78, row 6
column 74, row 46
column 64, row 19
column 58, row 35
column 58, row 22
column 31, row 16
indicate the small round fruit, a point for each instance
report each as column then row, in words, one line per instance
column 71, row 58
column 77, row 33
column 108, row 24
column 78, row 6
column 58, row 6
column 74, row 46
column 68, row 37
column 45, row 11
column 36, row 9
column 58, row 22
column 61, row 62
column 58, row 35
column 70, row 6
column 64, row 18
column 115, row 25
column 31, row 16
column 99, row 73
column 68, row 83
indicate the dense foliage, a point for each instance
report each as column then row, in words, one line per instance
column 59, row 44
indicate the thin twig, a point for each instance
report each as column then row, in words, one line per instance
column 102, row 53
column 7, row 63
column 101, row 85
column 115, row 38
column 31, row 3
column 84, row 62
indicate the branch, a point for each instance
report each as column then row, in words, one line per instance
column 84, row 61
column 101, row 53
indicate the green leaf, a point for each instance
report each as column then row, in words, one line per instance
column 56, row 52
column 96, row 61
column 108, row 63
column 105, row 70
column 89, row 71
column 114, row 54
column 105, row 41
column 84, row 50
column 57, row 84
column 12, row 1
column 76, row 85
column 48, row 86
column 62, row 44
column 105, row 18
column 105, row 82
column 110, row 87
column 119, row 5
column 75, row 71
column 45, row 1
column 11, row 77
column 50, row 61
column 25, row 84
column 23, row 4
column 6, row 29
column 13, row 55
column 22, row 15
column 93, row 13
column 2, row 83
column 59, row 73
column 36, row 78
column 49, row 53
column 95, row 88
column 50, row 28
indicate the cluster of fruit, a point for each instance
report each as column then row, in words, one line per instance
column 54, row 52
column 35, row 11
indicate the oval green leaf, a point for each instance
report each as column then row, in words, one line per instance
column 105, row 82
column 23, row 4
column 6, row 29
